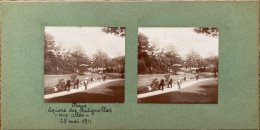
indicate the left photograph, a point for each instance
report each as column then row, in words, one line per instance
column 84, row 64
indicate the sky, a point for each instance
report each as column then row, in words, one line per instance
column 182, row 39
column 89, row 38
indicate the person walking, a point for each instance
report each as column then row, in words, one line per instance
column 67, row 85
column 76, row 83
column 170, row 83
column 179, row 83
column 85, row 83
column 105, row 77
column 161, row 84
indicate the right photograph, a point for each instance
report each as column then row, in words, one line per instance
column 178, row 65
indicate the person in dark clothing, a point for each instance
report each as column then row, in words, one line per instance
column 170, row 83
column 179, row 84
column 104, row 78
column 161, row 84
column 67, row 85
column 215, row 75
column 76, row 83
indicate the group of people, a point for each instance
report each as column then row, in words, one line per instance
column 169, row 83
column 68, row 83
column 76, row 82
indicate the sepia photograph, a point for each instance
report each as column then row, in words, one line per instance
column 84, row 64
column 178, row 65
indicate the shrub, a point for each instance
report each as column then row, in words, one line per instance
column 176, row 69
column 60, row 85
column 157, row 71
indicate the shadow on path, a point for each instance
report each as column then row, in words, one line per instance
column 112, row 92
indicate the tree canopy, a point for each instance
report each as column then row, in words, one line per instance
column 117, row 31
column 152, row 59
column 58, row 60
column 211, row 32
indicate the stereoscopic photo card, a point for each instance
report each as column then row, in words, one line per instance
column 129, row 65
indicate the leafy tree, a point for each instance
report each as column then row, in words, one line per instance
column 100, row 59
column 154, row 60
column 212, row 62
column 211, row 32
column 79, row 57
column 48, row 42
column 119, row 63
column 143, row 47
column 50, row 64
column 145, row 51
column 172, row 58
column 117, row 31
column 69, row 62
column 142, row 69
column 193, row 59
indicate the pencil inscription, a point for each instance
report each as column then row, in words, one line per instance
column 78, row 113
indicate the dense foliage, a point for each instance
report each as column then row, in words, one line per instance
column 58, row 60
column 151, row 59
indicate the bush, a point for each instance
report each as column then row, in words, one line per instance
column 157, row 71
column 167, row 76
column 60, row 85
column 176, row 69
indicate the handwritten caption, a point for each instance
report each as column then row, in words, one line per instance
column 78, row 113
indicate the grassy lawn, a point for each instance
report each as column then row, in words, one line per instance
column 50, row 81
column 205, row 92
column 111, row 92
column 146, row 80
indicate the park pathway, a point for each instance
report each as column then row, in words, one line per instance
column 166, row 90
column 81, row 88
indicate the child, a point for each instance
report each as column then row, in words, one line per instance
column 85, row 83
